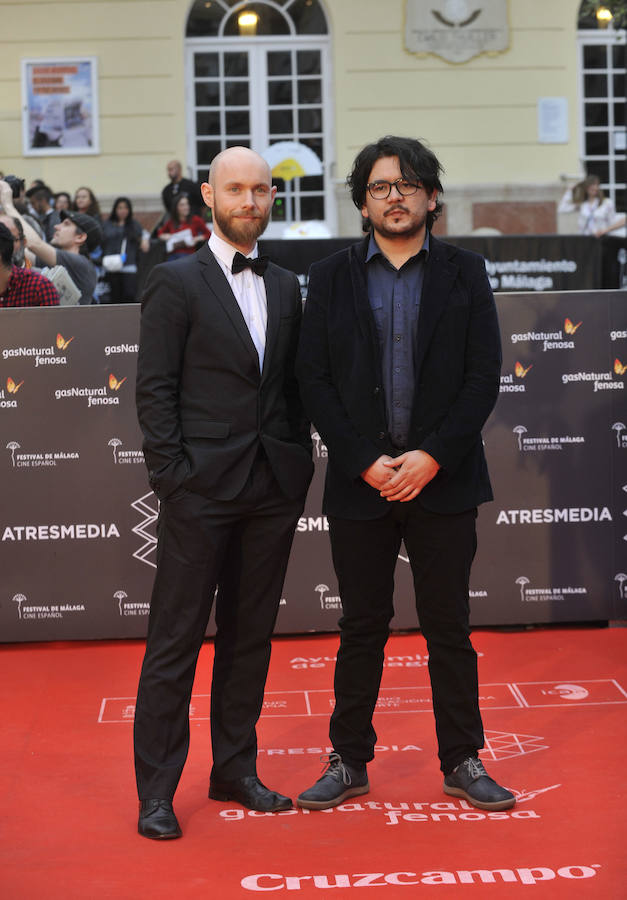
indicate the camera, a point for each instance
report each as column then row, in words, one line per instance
column 17, row 185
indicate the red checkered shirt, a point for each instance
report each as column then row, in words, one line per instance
column 28, row 288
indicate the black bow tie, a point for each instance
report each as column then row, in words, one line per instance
column 241, row 262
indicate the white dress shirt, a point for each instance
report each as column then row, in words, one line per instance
column 249, row 290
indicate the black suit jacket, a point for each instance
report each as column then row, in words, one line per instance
column 458, row 360
column 203, row 405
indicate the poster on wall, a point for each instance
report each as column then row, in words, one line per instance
column 60, row 106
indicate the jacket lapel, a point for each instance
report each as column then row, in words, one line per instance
column 439, row 278
column 220, row 288
column 359, row 282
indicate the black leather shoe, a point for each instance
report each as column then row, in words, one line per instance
column 471, row 781
column 338, row 782
column 250, row 792
column 157, row 820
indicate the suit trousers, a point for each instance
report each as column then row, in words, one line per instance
column 440, row 550
column 242, row 548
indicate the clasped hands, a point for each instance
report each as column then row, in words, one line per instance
column 401, row 477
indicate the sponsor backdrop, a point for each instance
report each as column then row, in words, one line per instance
column 77, row 524
column 514, row 263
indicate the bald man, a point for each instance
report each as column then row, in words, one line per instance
column 180, row 185
column 228, row 453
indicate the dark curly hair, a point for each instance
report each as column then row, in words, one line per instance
column 416, row 162
column 6, row 246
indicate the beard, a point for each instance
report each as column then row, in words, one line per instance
column 238, row 231
column 408, row 228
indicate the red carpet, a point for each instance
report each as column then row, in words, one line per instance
column 554, row 704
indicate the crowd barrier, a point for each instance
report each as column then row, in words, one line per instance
column 514, row 262
column 77, row 524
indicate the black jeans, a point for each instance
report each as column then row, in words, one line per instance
column 440, row 549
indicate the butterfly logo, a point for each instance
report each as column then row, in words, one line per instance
column 569, row 328
column 62, row 344
column 114, row 384
column 619, row 368
column 12, row 387
column 520, row 370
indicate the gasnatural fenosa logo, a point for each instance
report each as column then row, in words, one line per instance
column 508, row 385
column 96, row 396
column 42, row 356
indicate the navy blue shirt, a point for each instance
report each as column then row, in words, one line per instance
column 394, row 296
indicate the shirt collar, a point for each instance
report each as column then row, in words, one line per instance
column 225, row 251
column 374, row 250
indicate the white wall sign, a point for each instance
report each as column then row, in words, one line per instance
column 552, row 120
column 456, row 30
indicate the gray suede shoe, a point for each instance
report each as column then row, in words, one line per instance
column 471, row 781
column 338, row 782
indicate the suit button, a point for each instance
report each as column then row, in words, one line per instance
column 381, row 435
column 377, row 390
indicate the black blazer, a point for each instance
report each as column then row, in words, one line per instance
column 203, row 405
column 458, row 360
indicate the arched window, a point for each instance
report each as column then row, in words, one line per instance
column 258, row 73
column 603, row 91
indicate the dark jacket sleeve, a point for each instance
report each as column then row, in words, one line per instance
column 457, row 432
column 163, row 335
column 349, row 449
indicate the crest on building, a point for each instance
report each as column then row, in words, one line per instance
column 456, row 30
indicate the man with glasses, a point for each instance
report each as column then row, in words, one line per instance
column 19, row 240
column 398, row 365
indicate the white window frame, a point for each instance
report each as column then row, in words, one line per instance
column 604, row 38
column 259, row 112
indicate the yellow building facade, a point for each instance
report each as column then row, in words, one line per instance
column 167, row 91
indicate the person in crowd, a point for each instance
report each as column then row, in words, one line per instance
column 19, row 240
column 18, row 189
column 40, row 198
column 75, row 236
column 19, row 286
column 34, row 185
column 596, row 212
column 179, row 185
column 228, row 451
column 192, row 229
column 85, row 202
column 398, row 367
column 123, row 236
column 62, row 200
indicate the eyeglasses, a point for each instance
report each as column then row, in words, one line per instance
column 381, row 190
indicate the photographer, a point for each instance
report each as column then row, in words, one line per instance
column 19, row 286
column 18, row 190
column 74, row 238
